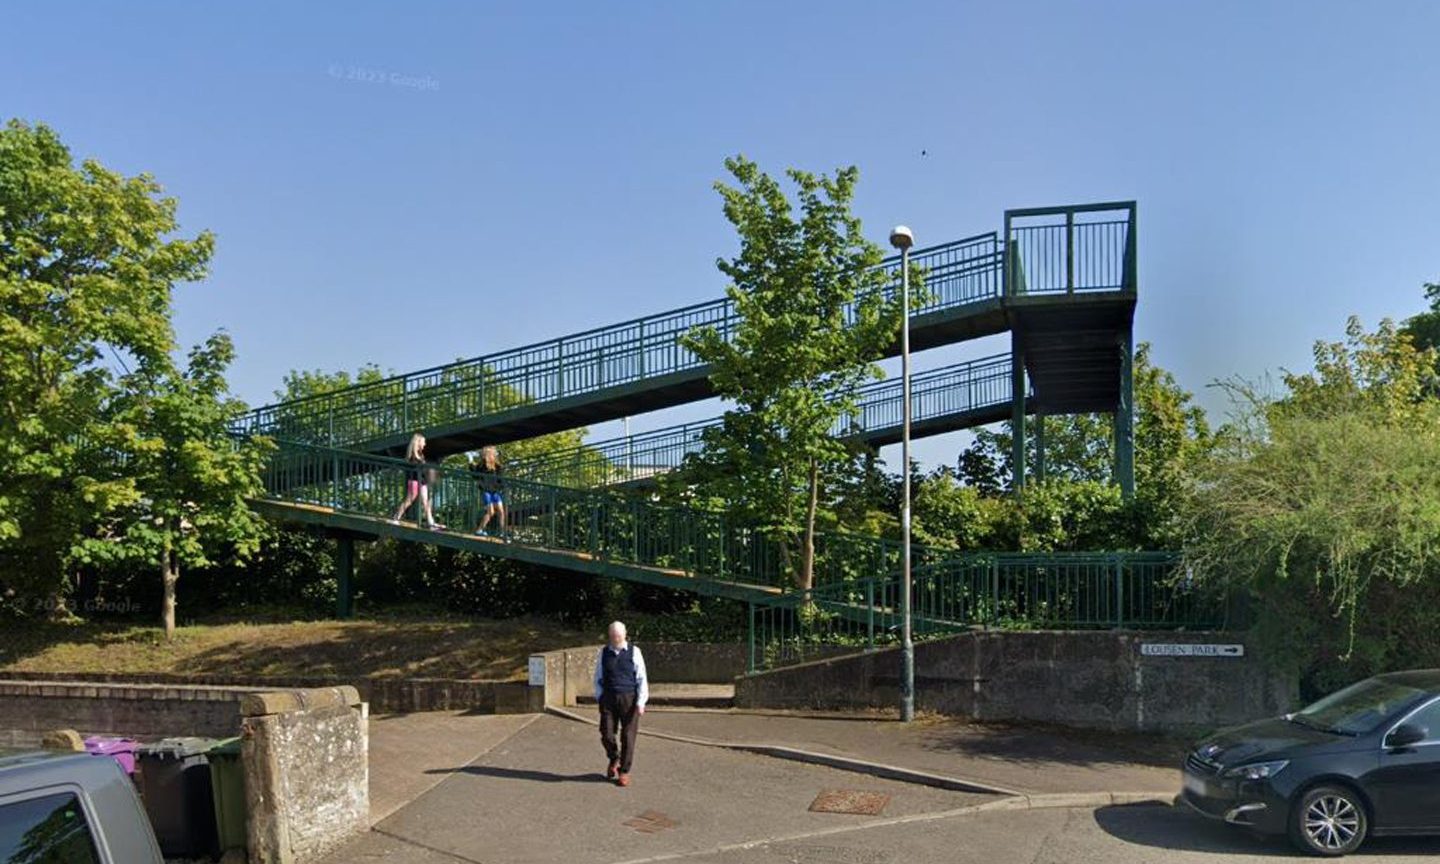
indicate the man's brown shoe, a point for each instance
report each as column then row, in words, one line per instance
column 613, row 769
column 622, row 780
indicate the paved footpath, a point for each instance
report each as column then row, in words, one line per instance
column 1023, row 759
column 464, row 788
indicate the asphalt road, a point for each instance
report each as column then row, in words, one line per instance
column 1140, row 834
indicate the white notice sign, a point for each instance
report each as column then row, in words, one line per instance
column 1164, row 649
column 537, row 671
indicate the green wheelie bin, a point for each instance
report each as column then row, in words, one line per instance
column 227, row 784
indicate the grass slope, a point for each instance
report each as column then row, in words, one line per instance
column 433, row 648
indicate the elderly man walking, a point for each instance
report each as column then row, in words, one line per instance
column 621, row 688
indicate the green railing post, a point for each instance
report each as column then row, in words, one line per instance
column 752, row 635
column 1070, row 251
column 1007, row 268
column 724, row 546
column 640, row 340
column 559, row 368
column 870, row 614
column 595, row 528
column 1119, row 593
column 335, row 479
column 1131, row 277
column 554, row 517
column 634, row 530
column 994, row 617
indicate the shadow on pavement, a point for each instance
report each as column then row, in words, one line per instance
column 1040, row 744
column 522, row 774
column 1175, row 829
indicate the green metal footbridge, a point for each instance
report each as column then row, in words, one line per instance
column 1062, row 281
column 959, row 396
column 606, row 532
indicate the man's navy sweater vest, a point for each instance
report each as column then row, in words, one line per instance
column 618, row 674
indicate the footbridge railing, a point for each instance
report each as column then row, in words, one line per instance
column 970, row 391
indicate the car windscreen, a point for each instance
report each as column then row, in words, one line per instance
column 1360, row 708
column 49, row 829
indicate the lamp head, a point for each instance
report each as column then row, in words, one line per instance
column 901, row 238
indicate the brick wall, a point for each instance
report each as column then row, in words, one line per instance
column 29, row 709
column 385, row 695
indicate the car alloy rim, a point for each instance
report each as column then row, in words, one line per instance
column 1331, row 822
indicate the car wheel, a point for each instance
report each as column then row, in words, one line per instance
column 1329, row 820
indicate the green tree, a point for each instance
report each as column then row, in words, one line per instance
column 189, row 480
column 88, row 263
column 811, row 316
column 304, row 383
column 1324, row 505
column 1424, row 328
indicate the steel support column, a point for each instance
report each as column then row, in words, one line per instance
column 344, row 576
column 1125, row 417
column 1017, row 415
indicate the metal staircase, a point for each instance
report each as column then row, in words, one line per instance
column 1062, row 281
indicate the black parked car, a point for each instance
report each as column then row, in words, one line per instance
column 1360, row 762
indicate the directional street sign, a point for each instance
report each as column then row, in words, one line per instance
column 1166, row 649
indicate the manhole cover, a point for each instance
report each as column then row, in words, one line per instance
column 850, row 801
column 650, row 822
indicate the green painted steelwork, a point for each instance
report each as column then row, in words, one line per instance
column 1048, row 261
column 344, row 576
column 1125, row 418
column 1073, row 251
column 1009, row 591
column 1017, row 416
column 604, row 533
column 643, row 353
column 952, row 397
column 575, row 528
column 562, row 561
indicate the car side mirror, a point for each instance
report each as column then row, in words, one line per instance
column 1406, row 735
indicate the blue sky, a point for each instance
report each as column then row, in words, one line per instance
column 545, row 168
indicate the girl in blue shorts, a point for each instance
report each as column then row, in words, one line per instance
column 489, row 473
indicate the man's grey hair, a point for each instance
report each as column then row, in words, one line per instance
column 616, row 627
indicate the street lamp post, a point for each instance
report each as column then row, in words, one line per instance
column 902, row 239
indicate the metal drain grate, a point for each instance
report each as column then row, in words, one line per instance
column 650, row 822
column 850, row 801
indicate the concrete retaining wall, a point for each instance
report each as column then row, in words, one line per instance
column 569, row 673
column 305, row 754
column 1089, row 680
column 693, row 663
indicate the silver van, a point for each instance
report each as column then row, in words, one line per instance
column 72, row 808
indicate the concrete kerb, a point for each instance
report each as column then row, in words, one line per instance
column 829, row 760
